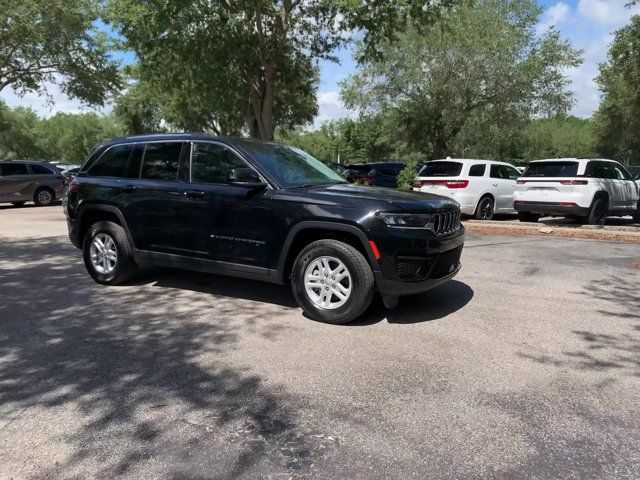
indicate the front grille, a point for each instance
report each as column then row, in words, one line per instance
column 445, row 262
column 445, row 222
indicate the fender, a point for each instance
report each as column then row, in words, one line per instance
column 326, row 225
column 111, row 209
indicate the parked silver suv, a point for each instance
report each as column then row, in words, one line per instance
column 26, row 181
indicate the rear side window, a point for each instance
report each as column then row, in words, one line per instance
column 41, row 169
column 213, row 163
column 441, row 169
column 113, row 162
column 161, row 161
column 551, row 169
column 9, row 169
column 477, row 170
column 600, row 170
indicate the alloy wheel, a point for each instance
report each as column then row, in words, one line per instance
column 327, row 282
column 104, row 254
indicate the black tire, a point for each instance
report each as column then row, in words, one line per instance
column 125, row 266
column 485, row 208
column 599, row 211
column 528, row 217
column 44, row 197
column 362, row 281
column 636, row 215
column 18, row 204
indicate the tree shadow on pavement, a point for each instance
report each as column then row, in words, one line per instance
column 143, row 369
column 603, row 351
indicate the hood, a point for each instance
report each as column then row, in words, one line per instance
column 355, row 196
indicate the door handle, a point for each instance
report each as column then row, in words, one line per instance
column 494, row 184
column 128, row 188
column 194, row 194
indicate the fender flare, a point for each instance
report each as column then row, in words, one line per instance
column 325, row 225
column 110, row 209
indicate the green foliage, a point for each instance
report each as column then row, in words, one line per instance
column 558, row 138
column 617, row 122
column 478, row 69
column 407, row 176
column 66, row 138
column 55, row 41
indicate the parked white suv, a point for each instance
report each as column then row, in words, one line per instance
column 481, row 187
column 588, row 189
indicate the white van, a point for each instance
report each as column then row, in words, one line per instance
column 481, row 187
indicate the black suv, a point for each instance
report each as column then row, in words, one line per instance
column 258, row 210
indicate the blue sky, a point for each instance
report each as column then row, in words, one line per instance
column 589, row 24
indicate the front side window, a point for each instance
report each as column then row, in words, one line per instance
column 213, row 163
column 622, row 173
column 161, row 161
column 10, row 169
column 41, row 169
column 512, row 173
column 290, row 166
column 477, row 170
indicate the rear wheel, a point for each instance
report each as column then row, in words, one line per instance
column 332, row 281
column 598, row 213
column 636, row 215
column 528, row 217
column 107, row 255
column 485, row 209
column 43, row 197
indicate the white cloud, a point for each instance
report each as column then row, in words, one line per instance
column 606, row 12
column 554, row 16
column 330, row 107
column 48, row 105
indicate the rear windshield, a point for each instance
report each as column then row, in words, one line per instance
column 551, row 169
column 441, row 169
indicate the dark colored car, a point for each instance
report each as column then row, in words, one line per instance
column 262, row 211
column 28, row 181
column 383, row 174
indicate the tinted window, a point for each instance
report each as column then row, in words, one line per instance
column 441, row 169
column 477, row 170
column 9, row 169
column 622, row 173
column 161, row 161
column 498, row 171
column 291, row 166
column 211, row 163
column 132, row 169
column 512, row 173
column 551, row 169
column 41, row 169
column 600, row 170
column 113, row 162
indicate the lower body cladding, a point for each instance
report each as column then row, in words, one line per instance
column 414, row 261
column 551, row 208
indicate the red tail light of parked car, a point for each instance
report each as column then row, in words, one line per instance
column 446, row 183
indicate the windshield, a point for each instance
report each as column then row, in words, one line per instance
column 290, row 166
column 551, row 169
column 441, row 169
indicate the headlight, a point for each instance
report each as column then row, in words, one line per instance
column 406, row 220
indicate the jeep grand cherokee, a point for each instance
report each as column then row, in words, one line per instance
column 258, row 210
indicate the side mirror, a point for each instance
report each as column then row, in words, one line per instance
column 245, row 177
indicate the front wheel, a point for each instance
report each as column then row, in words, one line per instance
column 332, row 281
column 485, row 209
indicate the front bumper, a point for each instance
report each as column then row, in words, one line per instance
column 551, row 208
column 414, row 261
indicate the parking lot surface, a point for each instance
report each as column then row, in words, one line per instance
column 527, row 365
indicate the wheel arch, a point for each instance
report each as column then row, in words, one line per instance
column 484, row 195
column 91, row 214
column 303, row 233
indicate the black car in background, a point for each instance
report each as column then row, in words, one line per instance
column 635, row 171
column 258, row 210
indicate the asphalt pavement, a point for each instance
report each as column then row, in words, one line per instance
column 526, row 366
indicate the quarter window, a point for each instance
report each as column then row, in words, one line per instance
column 113, row 162
column 213, row 163
column 9, row 169
column 477, row 170
column 161, row 161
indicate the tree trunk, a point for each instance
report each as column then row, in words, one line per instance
column 440, row 138
column 260, row 123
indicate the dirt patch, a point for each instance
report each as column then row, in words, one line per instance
column 553, row 232
column 635, row 265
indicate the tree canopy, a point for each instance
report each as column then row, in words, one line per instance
column 481, row 66
column 55, row 41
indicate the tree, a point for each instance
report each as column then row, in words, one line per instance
column 481, row 66
column 227, row 65
column 618, row 118
column 55, row 41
